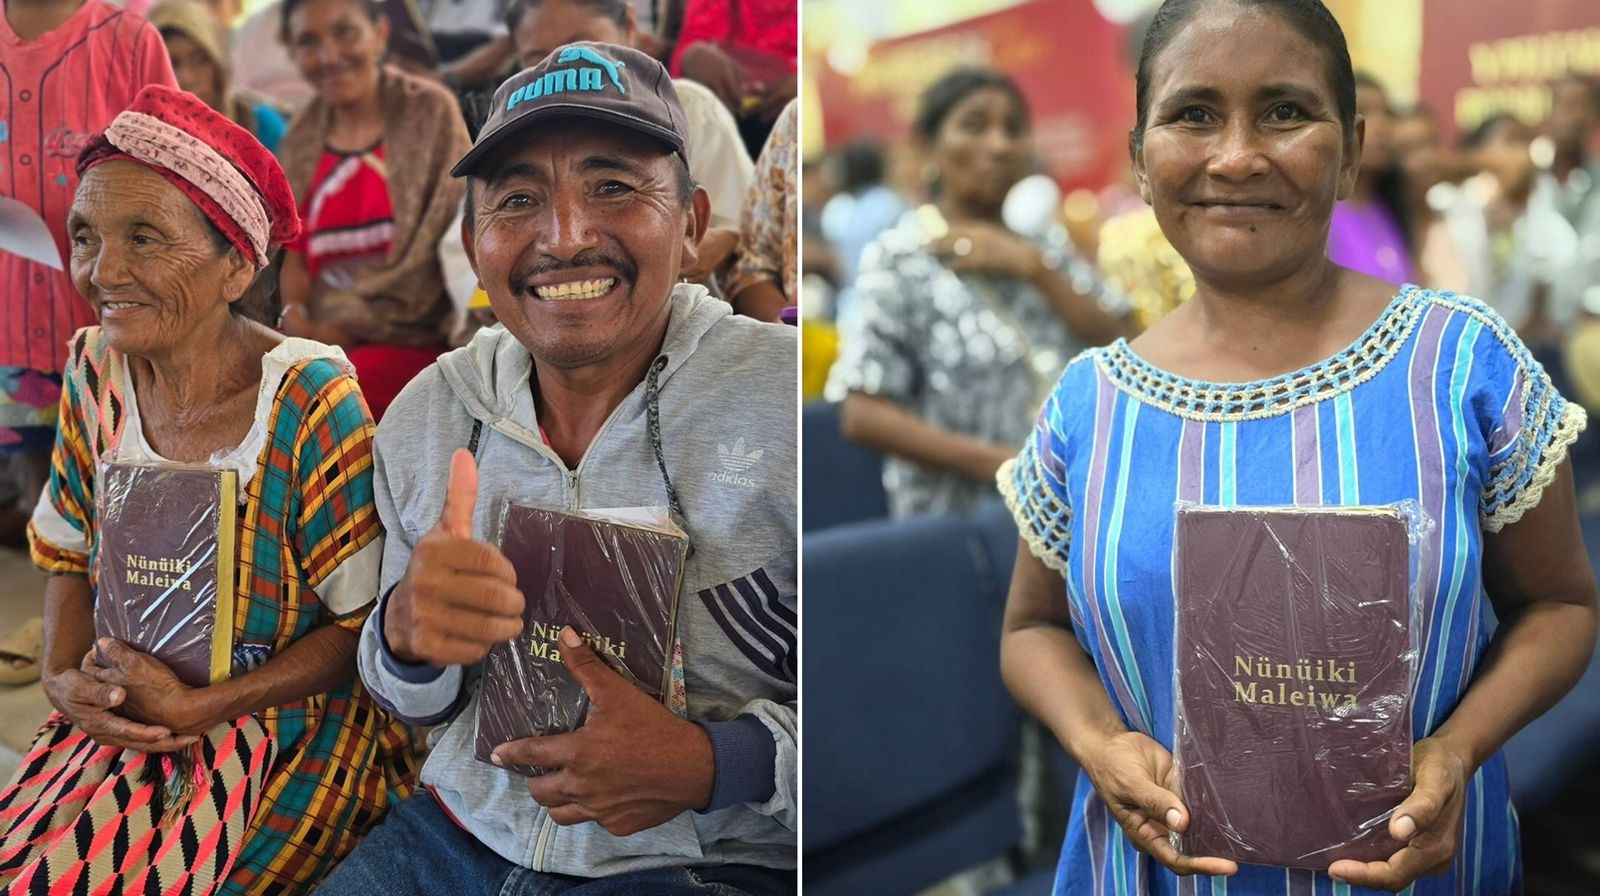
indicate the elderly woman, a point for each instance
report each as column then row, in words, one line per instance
column 965, row 323
column 261, row 782
column 365, row 275
column 1288, row 380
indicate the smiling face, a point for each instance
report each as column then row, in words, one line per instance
column 549, row 24
column 578, row 235
column 982, row 149
column 147, row 260
column 337, row 46
column 1243, row 155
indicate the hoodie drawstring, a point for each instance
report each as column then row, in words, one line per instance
column 652, row 391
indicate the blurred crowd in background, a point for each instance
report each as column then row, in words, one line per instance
column 1504, row 207
column 367, row 104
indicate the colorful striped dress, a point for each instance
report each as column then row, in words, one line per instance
column 1437, row 402
column 286, row 792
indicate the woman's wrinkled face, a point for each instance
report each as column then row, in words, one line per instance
column 1243, row 154
column 194, row 70
column 144, row 257
column 982, row 148
column 338, row 47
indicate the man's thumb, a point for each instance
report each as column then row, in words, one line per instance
column 460, row 495
column 593, row 673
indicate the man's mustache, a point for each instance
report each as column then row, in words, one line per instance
column 588, row 258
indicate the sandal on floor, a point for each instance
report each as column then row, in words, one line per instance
column 26, row 643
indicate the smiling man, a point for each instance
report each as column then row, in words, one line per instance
column 610, row 385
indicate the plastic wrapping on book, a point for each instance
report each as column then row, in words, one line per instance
column 1297, row 639
column 164, row 560
column 614, row 577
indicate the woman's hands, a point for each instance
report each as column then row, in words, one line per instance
column 988, row 248
column 1428, row 822
column 93, row 706
column 154, row 695
column 1135, row 777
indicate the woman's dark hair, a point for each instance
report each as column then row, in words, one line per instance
column 615, row 10
column 1309, row 17
column 1389, row 184
column 260, row 300
column 945, row 94
column 860, row 165
column 1478, row 136
column 373, row 9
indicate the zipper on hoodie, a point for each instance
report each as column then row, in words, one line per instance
column 574, row 474
column 543, row 843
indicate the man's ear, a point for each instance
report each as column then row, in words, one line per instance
column 1136, row 159
column 698, row 220
column 1350, row 165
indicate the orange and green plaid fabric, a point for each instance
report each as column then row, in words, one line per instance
column 342, row 760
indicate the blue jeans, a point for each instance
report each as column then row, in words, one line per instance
column 419, row 851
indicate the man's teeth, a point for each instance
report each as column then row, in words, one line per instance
column 576, row 289
column 121, row 305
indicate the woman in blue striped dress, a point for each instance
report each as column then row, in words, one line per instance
column 1288, row 380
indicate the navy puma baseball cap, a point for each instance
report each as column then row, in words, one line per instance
column 588, row 80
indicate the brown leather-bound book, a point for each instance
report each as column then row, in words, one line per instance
column 615, row 581
column 1293, row 682
column 165, row 558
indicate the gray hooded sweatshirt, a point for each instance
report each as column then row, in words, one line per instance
column 727, row 397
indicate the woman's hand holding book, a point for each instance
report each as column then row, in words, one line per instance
column 1133, row 774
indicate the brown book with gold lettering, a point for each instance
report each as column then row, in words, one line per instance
column 1294, row 671
column 165, row 555
column 611, row 575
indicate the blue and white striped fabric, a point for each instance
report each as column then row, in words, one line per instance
column 1438, row 402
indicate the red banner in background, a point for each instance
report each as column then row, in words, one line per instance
column 1485, row 56
column 1067, row 60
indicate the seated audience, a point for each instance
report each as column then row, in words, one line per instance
column 365, row 275
column 718, row 161
column 765, row 279
column 200, row 63
column 964, row 322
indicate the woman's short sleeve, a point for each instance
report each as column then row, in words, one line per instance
column 338, row 538
column 1528, row 426
column 882, row 357
column 1035, row 489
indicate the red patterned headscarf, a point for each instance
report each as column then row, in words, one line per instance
column 220, row 166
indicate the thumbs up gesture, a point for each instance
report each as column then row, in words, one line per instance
column 459, row 596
